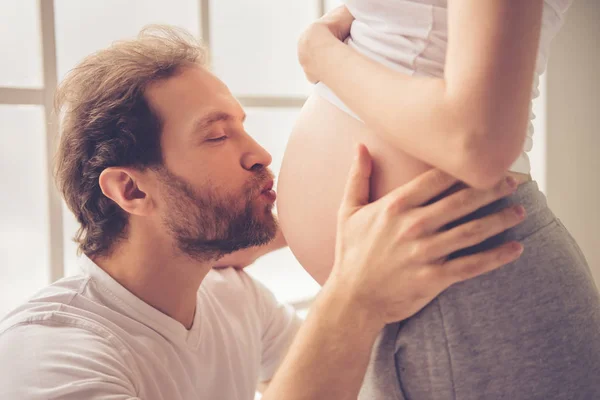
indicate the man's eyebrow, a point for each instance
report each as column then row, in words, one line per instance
column 205, row 122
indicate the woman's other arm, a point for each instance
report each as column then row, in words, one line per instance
column 471, row 122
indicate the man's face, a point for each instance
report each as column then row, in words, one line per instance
column 214, row 186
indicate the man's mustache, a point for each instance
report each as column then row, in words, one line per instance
column 258, row 181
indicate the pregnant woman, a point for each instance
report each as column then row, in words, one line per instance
column 446, row 84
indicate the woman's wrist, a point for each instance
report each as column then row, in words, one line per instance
column 314, row 50
column 332, row 57
column 324, row 35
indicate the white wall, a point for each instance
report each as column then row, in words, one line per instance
column 573, row 128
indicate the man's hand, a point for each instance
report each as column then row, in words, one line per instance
column 390, row 262
column 331, row 28
column 245, row 257
column 391, row 254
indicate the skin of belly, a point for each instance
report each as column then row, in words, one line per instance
column 313, row 176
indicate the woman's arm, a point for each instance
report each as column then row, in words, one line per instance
column 472, row 122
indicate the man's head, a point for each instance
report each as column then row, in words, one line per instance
column 151, row 139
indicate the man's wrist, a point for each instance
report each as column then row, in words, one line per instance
column 339, row 301
column 330, row 353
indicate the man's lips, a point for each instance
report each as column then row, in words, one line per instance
column 268, row 192
column 268, row 186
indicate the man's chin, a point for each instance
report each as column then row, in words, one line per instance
column 266, row 236
column 260, row 205
column 267, row 222
column 271, row 227
column 263, row 232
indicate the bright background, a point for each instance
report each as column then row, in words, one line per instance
column 253, row 46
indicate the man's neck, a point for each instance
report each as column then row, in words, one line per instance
column 159, row 275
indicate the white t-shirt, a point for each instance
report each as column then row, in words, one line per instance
column 87, row 337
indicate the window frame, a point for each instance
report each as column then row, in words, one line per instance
column 45, row 97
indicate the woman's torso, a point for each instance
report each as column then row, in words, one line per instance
column 408, row 36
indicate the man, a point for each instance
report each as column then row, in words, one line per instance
column 162, row 177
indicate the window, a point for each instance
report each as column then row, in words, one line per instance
column 89, row 20
column 23, row 205
column 248, row 56
column 44, row 39
column 20, row 44
column 26, row 252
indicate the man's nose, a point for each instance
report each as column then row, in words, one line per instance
column 256, row 156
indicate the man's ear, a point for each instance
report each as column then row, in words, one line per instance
column 125, row 187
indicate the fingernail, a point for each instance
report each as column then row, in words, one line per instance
column 511, row 182
column 357, row 151
column 516, row 248
column 520, row 211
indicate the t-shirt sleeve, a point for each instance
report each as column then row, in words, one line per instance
column 279, row 324
column 44, row 362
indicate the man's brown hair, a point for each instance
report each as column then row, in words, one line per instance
column 106, row 121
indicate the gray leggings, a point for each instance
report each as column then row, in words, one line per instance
column 530, row 330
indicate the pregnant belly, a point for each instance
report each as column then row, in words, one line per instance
column 313, row 175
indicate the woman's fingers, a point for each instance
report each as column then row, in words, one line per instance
column 339, row 20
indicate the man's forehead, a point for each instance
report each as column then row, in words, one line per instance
column 198, row 94
column 213, row 116
column 191, row 81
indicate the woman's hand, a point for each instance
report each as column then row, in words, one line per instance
column 331, row 29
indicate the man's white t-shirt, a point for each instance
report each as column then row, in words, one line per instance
column 87, row 337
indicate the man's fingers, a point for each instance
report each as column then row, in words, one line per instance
column 356, row 193
column 420, row 190
column 471, row 233
column 464, row 202
column 467, row 267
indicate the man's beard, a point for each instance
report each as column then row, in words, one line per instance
column 207, row 225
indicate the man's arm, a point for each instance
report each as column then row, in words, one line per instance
column 329, row 358
column 262, row 386
column 389, row 263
